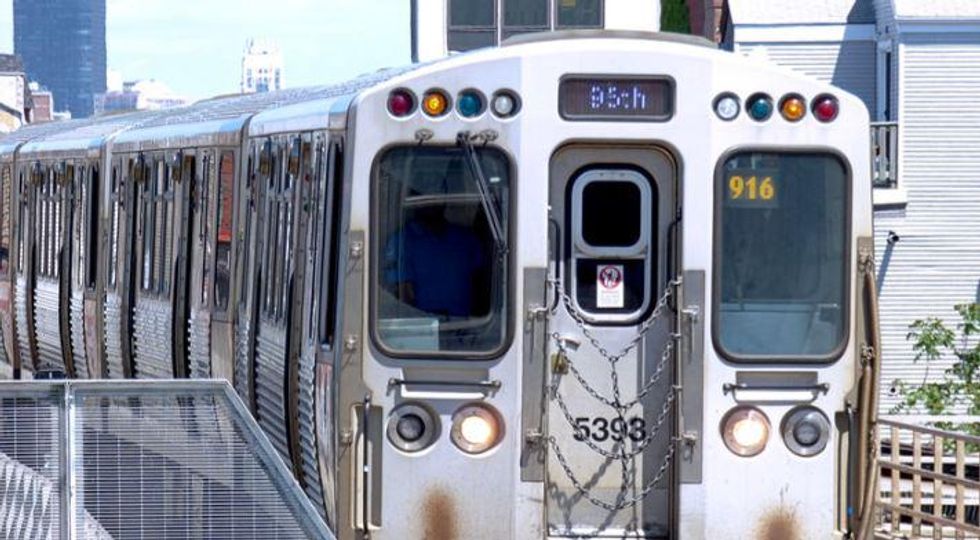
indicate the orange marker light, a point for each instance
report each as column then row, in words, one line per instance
column 435, row 103
column 793, row 108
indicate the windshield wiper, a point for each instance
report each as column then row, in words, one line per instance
column 490, row 206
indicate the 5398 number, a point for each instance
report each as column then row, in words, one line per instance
column 601, row 429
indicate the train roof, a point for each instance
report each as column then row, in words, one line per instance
column 88, row 136
column 15, row 139
column 221, row 121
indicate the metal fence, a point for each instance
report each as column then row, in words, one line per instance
column 141, row 459
column 930, row 481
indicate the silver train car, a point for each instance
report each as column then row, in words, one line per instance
column 588, row 284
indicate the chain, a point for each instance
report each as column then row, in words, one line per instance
column 580, row 321
column 619, row 451
column 622, row 501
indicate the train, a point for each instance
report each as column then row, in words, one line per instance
column 585, row 284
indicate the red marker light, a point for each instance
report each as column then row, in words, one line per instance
column 825, row 108
column 401, row 103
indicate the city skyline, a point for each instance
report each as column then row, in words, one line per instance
column 197, row 52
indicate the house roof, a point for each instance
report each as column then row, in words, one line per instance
column 806, row 12
column 936, row 9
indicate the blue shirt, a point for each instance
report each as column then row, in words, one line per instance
column 440, row 264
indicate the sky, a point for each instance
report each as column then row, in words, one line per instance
column 195, row 46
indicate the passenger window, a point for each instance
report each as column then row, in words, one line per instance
column 782, row 254
column 333, row 171
column 204, row 209
column 146, row 205
column 611, row 213
column 113, row 248
column 441, row 275
column 222, row 275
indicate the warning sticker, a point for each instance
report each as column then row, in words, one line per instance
column 609, row 286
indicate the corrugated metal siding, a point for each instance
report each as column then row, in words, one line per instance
column 849, row 65
column 309, row 454
column 113, row 343
column 79, row 356
column 152, row 339
column 884, row 13
column 936, row 264
column 47, row 325
column 243, row 365
column 200, row 344
column 20, row 314
column 270, row 386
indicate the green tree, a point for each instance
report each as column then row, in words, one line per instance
column 674, row 17
column 960, row 386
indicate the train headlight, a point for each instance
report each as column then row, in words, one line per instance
column 806, row 431
column 412, row 427
column 727, row 106
column 476, row 429
column 745, row 431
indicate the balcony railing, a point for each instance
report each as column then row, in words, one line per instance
column 884, row 154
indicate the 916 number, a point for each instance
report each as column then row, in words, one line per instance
column 601, row 429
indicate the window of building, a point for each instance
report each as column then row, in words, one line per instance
column 579, row 13
column 472, row 24
column 523, row 16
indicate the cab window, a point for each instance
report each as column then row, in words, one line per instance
column 781, row 256
column 440, row 274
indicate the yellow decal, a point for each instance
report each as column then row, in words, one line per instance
column 749, row 189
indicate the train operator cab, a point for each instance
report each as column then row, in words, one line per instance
column 601, row 288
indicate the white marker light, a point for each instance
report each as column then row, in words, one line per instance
column 727, row 107
column 504, row 104
column 476, row 430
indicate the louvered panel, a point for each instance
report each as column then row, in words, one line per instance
column 936, row 264
column 152, row 340
column 29, row 467
column 309, row 459
column 176, row 467
column 3, row 348
column 79, row 354
column 20, row 311
column 270, row 379
column 200, row 345
column 243, row 370
column 849, row 65
column 47, row 325
column 113, row 343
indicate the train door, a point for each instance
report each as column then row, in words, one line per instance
column 611, row 401
column 249, row 205
column 118, row 231
column 182, row 170
column 75, row 269
column 6, row 253
column 274, row 376
column 26, row 256
column 53, row 207
column 201, row 260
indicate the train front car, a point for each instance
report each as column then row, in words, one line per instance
column 599, row 285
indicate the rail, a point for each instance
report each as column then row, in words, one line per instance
column 124, row 459
column 929, row 483
column 884, row 154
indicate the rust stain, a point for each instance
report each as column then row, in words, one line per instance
column 779, row 524
column 440, row 516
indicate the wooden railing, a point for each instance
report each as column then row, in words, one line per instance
column 884, row 154
column 930, row 482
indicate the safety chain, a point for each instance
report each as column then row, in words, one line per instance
column 619, row 452
column 621, row 501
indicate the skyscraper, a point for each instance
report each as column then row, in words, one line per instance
column 62, row 43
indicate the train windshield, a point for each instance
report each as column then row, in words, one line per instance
column 781, row 279
column 440, row 278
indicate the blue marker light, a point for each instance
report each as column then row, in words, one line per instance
column 760, row 107
column 469, row 104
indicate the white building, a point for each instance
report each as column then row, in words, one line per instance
column 915, row 63
column 144, row 95
column 262, row 67
column 445, row 26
